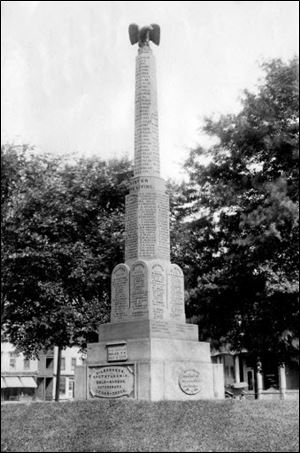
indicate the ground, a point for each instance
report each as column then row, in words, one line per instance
column 120, row 425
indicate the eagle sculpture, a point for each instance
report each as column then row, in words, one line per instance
column 144, row 35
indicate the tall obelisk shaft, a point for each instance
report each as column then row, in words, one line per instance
column 147, row 286
column 146, row 143
column 147, row 205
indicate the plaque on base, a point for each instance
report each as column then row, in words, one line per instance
column 112, row 381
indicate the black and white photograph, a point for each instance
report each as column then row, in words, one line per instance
column 149, row 226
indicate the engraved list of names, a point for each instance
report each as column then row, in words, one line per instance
column 146, row 147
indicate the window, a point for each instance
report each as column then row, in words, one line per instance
column 62, row 364
column 12, row 363
column 62, row 385
column 49, row 362
column 73, row 363
column 26, row 364
column 12, row 360
column 71, row 385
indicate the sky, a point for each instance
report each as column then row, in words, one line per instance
column 68, row 70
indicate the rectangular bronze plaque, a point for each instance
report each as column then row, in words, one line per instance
column 116, row 352
column 112, row 381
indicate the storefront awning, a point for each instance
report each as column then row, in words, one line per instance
column 3, row 385
column 13, row 381
column 28, row 382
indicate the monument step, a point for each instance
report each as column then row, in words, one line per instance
column 148, row 328
column 148, row 350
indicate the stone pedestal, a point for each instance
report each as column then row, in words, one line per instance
column 152, row 360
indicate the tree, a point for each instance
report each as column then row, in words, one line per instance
column 62, row 233
column 240, row 249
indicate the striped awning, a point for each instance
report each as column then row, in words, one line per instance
column 28, row 382
column 13, row 381
column 18, row 381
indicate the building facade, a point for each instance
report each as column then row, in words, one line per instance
column 265, row 381
column 18, row 375
column 23, row 380
column 70, row 358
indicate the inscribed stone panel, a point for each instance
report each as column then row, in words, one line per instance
column 190, row 381
column 146, row 144
column 163, row 233
column 117, row 352
column 158, row 291
column 112, row 381
column 153, row 225
column 139, row 291
column 171, row 329
column 147, row 225
column 176, row 293
column 131, row 228
column 120, row 293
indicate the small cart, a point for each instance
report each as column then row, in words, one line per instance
column 238, row 390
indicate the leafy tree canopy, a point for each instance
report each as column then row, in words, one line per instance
column 240, row 251
column 62, row 234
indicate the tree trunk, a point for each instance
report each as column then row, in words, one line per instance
column 58, row 374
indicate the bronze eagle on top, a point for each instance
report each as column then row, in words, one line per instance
column 144, row 35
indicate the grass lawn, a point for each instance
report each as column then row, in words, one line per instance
column 229, row 425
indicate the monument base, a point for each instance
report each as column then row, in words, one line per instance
column 137, row 360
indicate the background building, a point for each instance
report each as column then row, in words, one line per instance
column 18, row 375
column 70, row 358
column 33, row 379
column 270, row 381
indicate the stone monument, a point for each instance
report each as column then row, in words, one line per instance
column 148, row 351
